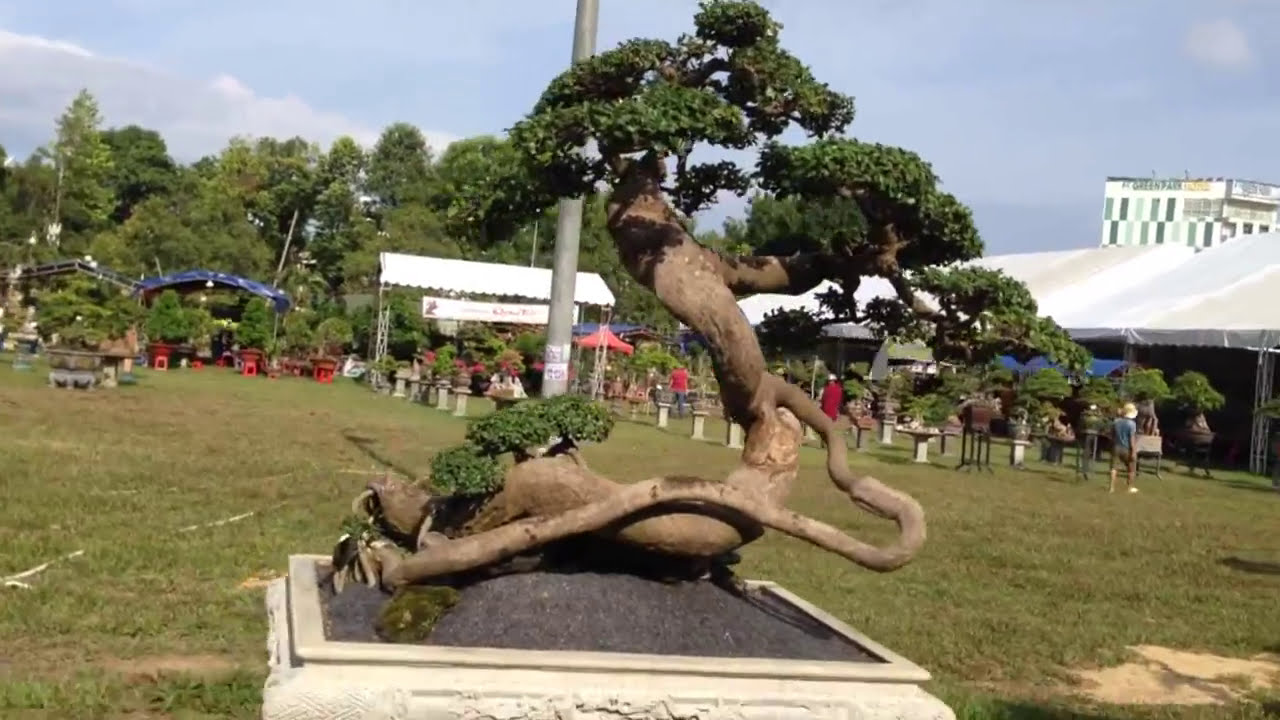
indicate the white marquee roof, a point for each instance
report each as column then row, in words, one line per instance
column 1225, row 296
column 480, row 278
column 1052, row 277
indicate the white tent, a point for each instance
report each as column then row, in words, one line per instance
column 466, row 277
column 1227, row 296
column 1091, row 285
column 1050, row 276
column 1224, row 296
column 480, row 278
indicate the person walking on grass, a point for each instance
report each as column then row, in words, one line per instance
column 832, row 397
column 680, row 388
column 1124, row 450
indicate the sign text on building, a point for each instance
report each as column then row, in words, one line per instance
column 1245, row 190
column 1167, row 185
column 435, row 308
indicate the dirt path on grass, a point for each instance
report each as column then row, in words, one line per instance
column 1164, row 676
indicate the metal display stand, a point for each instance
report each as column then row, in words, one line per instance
column 1087, row 452
column 975, row 438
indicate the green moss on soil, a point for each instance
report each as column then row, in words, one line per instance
column 413, row 611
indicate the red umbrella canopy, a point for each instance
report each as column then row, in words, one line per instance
column 606, row 337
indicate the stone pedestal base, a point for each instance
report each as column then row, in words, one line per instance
column 699, row 425
column 920, row 446
column 887, row 424
column 73, row 379
column 315, row 679
column 733, row 435
column 1018, row 452
column 460, row 404
column 442, row 397
column 859, row 437
column 664, row 415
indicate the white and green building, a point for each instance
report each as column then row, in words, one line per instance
column 1194, row 212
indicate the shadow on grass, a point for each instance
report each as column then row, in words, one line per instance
column 1255, row 567
column 1246, row 485
column 1056, row 473
column 890, row 459
column 368, row 446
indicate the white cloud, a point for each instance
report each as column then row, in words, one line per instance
column 1218, row 43
column 195, row 117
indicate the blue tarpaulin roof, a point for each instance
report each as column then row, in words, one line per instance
column 1098, row 368
column 192, row 279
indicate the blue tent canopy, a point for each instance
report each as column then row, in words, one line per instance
column 193, row 279
column 1099, row 367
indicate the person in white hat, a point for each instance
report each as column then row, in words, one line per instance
column 832, row 397
column 1124, row 450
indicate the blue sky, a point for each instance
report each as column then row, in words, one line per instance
column 1023, row 107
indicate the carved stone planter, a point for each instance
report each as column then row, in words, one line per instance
column 74, row 369
column 313, row 677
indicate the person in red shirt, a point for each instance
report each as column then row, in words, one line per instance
column 680, row 388
column 832, row 395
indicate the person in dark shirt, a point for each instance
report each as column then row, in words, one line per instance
column 1123, row 448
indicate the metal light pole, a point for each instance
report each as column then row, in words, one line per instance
column 564, row 264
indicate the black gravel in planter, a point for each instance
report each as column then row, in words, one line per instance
column 604, row 612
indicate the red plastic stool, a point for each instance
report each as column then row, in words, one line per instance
column 250, row 367
column 322, row 374
column 160, row 362
column 196, row 364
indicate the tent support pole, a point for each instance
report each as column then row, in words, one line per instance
column 1262, row 389
column 381, row 328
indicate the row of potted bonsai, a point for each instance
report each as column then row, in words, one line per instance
column 83, row 323
column 1039, row 403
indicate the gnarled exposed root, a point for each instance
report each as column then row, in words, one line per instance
column 865, row 491
column 501, row 542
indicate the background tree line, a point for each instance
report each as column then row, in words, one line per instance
column 311, row 220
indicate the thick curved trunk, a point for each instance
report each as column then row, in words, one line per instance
column 659, row 254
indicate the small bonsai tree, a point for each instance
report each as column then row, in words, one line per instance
column 471, row 476
column 530, row 345
column 1194, row 395
column 928, row 409
column 332, row 335
column 893, row 391
column 651, row 356
column 646, row 105
column 1039, row 395
column 1145, row 387
column 511, row 360
column 254, row 330
column 385, row 368
column 202, row 327
column 297, row 332
column 84, row 314
column 1101, row 400
column 444, row 367
column 168, row 323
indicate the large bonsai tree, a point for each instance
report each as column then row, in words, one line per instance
column 646, row 105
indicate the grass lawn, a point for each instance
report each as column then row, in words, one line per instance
column 1026, row 576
